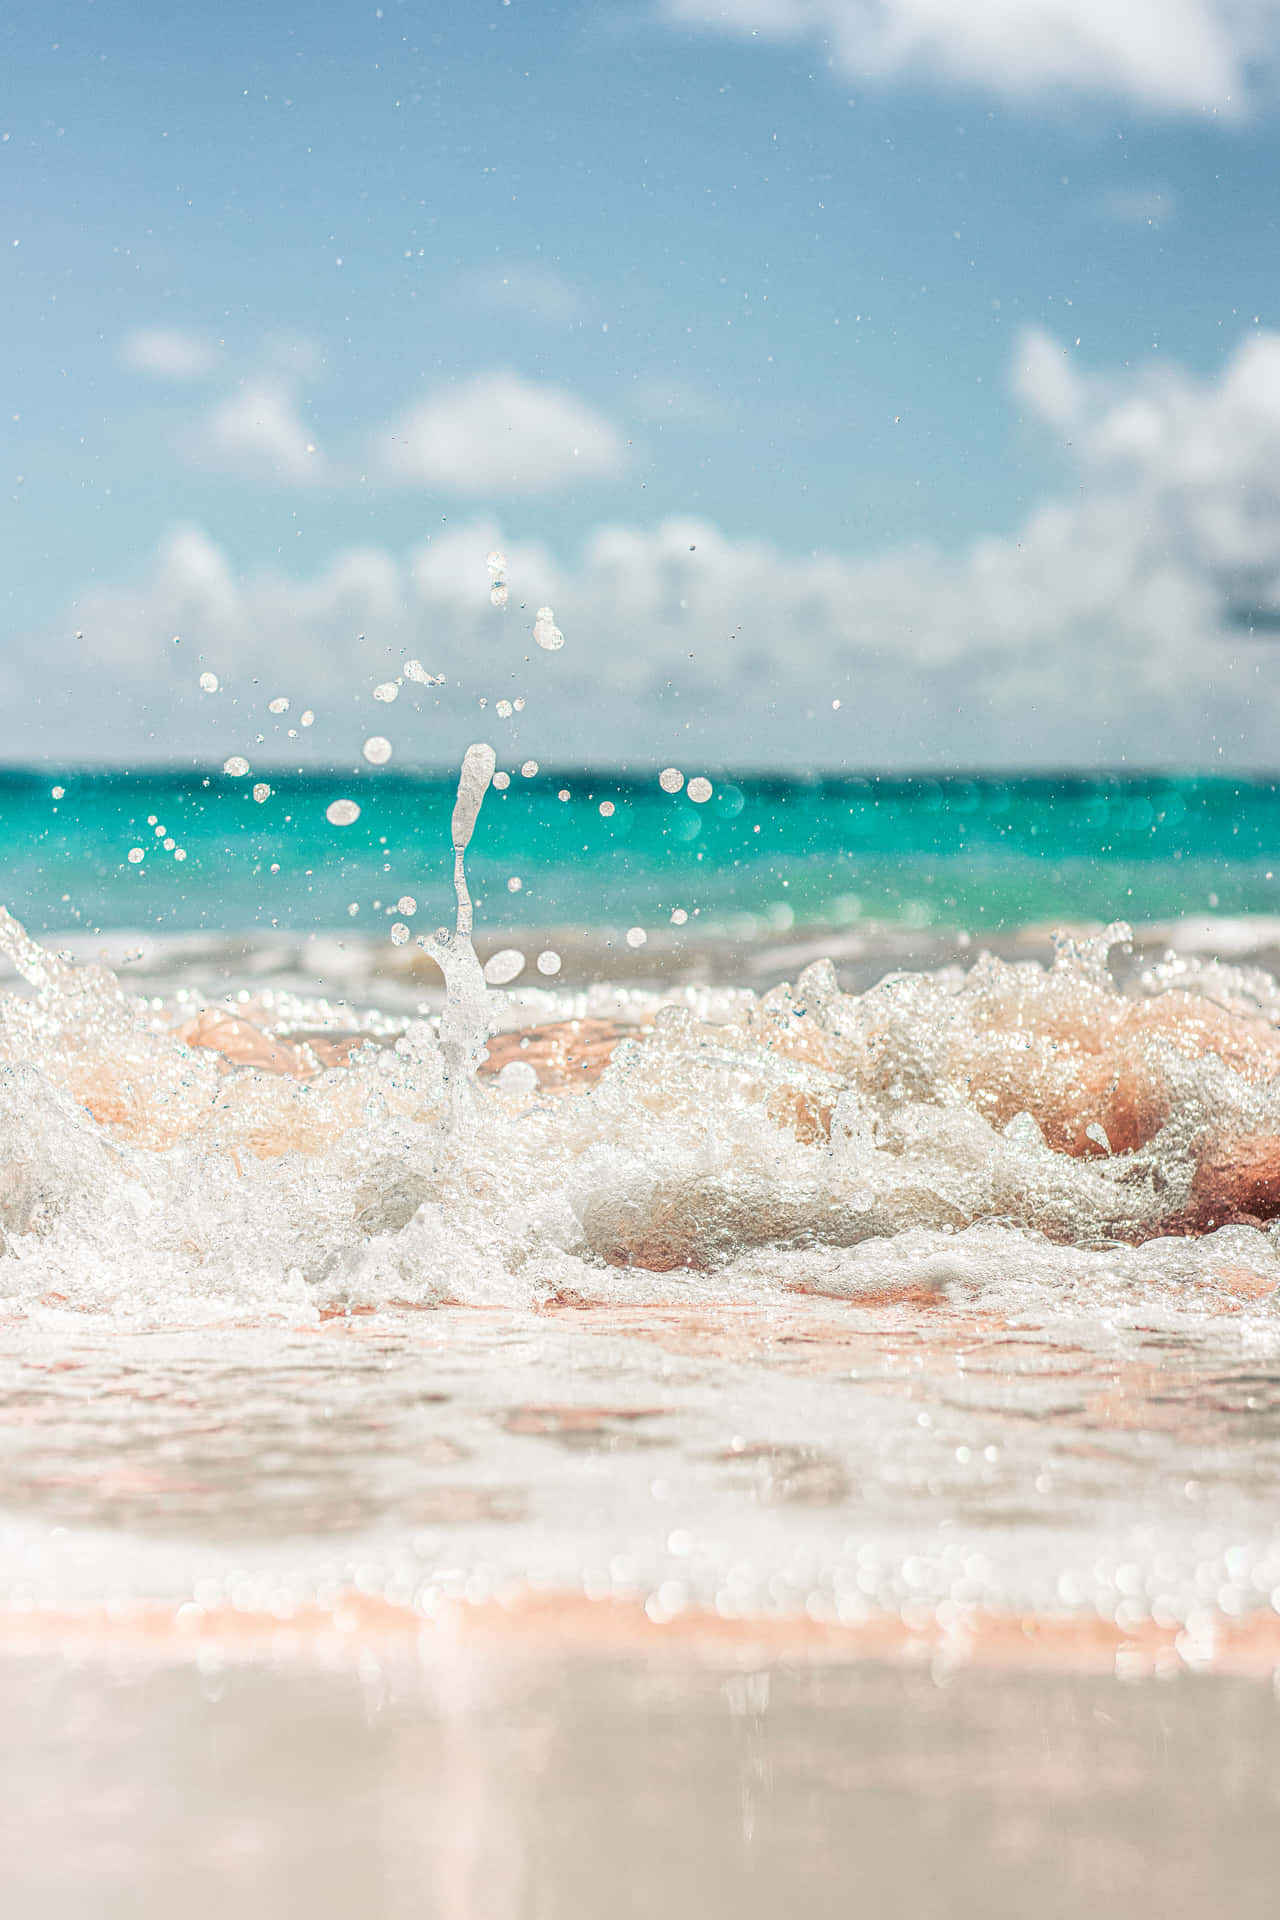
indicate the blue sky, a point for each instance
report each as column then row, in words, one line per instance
column 767, row 338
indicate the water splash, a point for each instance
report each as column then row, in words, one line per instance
column 463, row 1024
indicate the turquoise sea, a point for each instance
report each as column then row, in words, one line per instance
column 764, row 853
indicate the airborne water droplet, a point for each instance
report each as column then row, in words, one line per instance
column 502, row 967
column 671, row 779
column 342, row 813
column 636, row 936
column 387, row 691
column 502, row 781
column 208, row 683
column 548, row 962
column 529, row 769
column 236, row 765
column 376, row 750
column 699, row 790
column 261, row 792
column 546, row 632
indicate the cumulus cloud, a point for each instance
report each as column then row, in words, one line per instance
column 1167, row 56
column 1129, row 619
column 1196, row 461
column 259, row 432
column 170, row 353
column 500, row 435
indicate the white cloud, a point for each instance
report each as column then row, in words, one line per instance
column 1168, row 56
column 258, row 432
column 499, row 435
column 170, row 353
column 1113, row 622
column 536, row 291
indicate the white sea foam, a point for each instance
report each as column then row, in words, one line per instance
column 942, row 1134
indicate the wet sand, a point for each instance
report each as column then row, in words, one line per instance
column 571, row 1789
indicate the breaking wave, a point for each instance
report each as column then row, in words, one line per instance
column 1012, row 1130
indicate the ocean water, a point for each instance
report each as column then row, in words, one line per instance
column 850, row 1259
column 759, row 857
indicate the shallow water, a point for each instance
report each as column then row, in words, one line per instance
column 748, row 1309
column 746, row 1301
column 563, row 1790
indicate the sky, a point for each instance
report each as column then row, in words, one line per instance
column 868, row 383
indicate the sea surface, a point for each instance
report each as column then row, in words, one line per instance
column 761, row 855
column 797, row 1386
